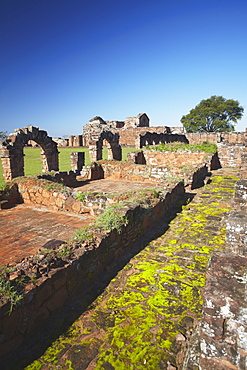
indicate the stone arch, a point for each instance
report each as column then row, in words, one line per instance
column 96, row 146
column 11, row 151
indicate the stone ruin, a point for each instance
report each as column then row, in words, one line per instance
column 141, row 120
column 153, row 138
column 99, row 133
column 11, row 151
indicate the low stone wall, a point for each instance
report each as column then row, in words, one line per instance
column 55, row 196
column 193, row 175
column 61, row 282
column 173, row 159
column 228, row 155
column 9, row 196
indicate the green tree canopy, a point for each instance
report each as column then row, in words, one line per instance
column 215, row 114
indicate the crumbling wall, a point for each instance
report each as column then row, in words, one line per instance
column 75, row 141
column 230, row 154
column 77, row 161
column 128, row 130
column 53, row 195
column 170, row 159
column 96, row 133
column 141, row 120
column 153, row 138
column 160, row 175
column 217, row 137
column 11, row 151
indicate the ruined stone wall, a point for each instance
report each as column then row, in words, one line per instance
column 161, row 175
column 75, row 141
column 11, row 151
column 59, row 284
column 230, row 154
column 243, row 169
column 217, row 137
column 174, row 159
column 77, row 161
column 59, row 198
column 61, row 143
column 127, row 136
column 152, row 138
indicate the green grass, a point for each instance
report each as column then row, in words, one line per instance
column 32, row 160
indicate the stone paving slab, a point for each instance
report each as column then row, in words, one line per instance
column 146, row 314
column 23, row 230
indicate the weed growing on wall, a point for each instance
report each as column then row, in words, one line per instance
column 82, row 235
column 112, row 218
column 82, row 196
column 205, row 147
column 8, row 290
column 3, row 186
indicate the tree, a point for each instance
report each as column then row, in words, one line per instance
column 215, row 114
column 3, row 135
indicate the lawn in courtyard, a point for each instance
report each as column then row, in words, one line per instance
column 32, row 160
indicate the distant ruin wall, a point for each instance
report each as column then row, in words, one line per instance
column 217, row 137
column 127, row 136
column 75, row 141
column 153, row 138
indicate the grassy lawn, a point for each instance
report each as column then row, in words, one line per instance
column 32, row 161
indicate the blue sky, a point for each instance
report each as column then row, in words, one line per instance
column 63, row 62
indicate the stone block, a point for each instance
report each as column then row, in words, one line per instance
column 236, row 232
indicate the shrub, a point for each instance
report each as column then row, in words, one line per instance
column 3, row 186
column 111, row 219
column 7, row 290
column 82, row 235
column 80, row 197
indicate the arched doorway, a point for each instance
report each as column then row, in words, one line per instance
column 113, row 147
column 11, row 151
